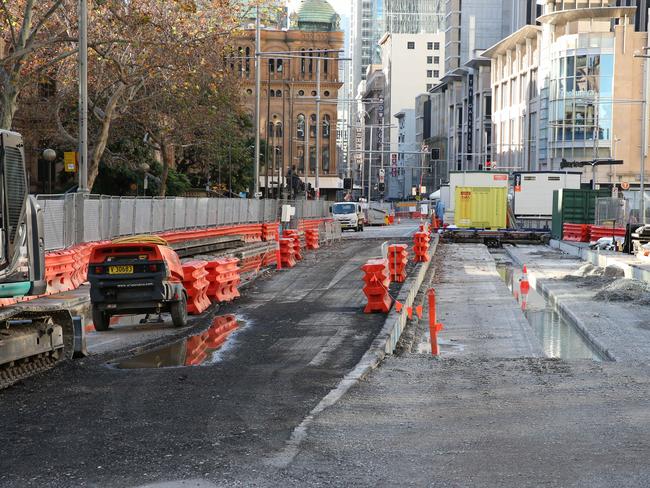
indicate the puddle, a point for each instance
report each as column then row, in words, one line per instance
column 193, row 351
column 558, row 337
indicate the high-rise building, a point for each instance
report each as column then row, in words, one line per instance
column 413, row 16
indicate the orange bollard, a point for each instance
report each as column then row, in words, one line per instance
column 434, row 326
column 278, row 257
column 524, row 285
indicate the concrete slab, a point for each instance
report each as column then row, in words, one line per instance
column 617, row 330
column 479, row 314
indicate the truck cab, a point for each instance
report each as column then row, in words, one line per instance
column 349, row 214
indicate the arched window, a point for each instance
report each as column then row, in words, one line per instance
column 311, row 61
column 271, row 65
column 326, row 63
column 312, row 126
column 272, row 93
column 326, row 127
column 278, row 156
column 278, row 93
column 326, row 160
column 240, row 61
column 271, row 129
column 303, row 61
column 278, row 129
column 279, row 65
column 300, row 127
column 248, row 62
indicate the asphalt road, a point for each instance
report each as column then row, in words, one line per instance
column 85, row 424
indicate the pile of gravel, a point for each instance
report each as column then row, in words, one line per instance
column 589, row 275
column 626, row 290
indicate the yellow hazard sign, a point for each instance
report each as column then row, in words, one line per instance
column 70, row 161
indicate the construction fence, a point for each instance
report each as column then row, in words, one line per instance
column 75, row 218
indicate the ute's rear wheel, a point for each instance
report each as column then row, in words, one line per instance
column 178, row 312
column 101, row 320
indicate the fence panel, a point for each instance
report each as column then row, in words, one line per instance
column 54, row 221
column 92, row 220
column 143, row 212
column 158, row 215
column 179, row 213
column 126, row 217
column 212, row 211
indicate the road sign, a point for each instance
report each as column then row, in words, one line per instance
column 70, row 161
column 625, row 185
column 615, row 191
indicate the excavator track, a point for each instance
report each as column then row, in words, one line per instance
column 31, row 321
column 30, row 367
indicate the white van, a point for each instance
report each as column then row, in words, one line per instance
column 349, row 214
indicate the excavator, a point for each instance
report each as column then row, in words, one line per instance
column 32, row 338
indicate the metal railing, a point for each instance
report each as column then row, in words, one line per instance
column 75, row 218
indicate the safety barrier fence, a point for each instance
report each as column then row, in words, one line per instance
column 590, row 233
column 75, row 218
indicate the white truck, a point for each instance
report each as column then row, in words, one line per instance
column 349, row 214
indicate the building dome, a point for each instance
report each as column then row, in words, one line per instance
column 317, row 15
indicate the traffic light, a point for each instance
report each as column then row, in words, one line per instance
column 347, row 183
column 381, row 187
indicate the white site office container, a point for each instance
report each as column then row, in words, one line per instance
column 533, row 191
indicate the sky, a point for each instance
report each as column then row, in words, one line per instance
column 341, row 6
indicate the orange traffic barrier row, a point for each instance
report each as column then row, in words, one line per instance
column 600, row 231
column 398, row 257
column 59, row 269
column 376, row 286
column 575, row 232
column 421, row 247
column 224, row 279
column 251, row 263
column 312, row 238
column 295, row 235
column 196, row 285
column 287, row 252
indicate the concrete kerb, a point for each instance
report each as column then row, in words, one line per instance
column 563, row 309
column 383, row 345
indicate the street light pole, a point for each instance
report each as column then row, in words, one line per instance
column 318, row 127
column 258, row 94
column 83, row 96
column 644, row 139
column 370, row 165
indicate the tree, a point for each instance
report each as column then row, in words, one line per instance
column 37, row 37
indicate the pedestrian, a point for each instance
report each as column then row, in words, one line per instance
column 440, row 212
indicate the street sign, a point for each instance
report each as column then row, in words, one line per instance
column 615, row 191
column 70, row 161
column 625, row 185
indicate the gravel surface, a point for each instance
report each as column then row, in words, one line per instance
column 85, row 424
column 485, row 423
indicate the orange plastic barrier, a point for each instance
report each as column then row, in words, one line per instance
column 421, row 246
column 270, row 231
column 223, row 279
column 295, row 235
column 287, row 252
column 59, row 270
column 312, row 238
column 196, row 284
column 376, row 289
column 576, row 232
column 600, row 231
column 397, row 260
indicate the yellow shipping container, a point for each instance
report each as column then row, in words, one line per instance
column 481, row 207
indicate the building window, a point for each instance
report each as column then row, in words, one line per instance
column 301, row 93
column 429, row 46
column 326, row 93
column 429, row 59
column 312, row 126
column 312, row 159
column 279, row 65
column 410, row 45
column 301, row 159
column 436, row 73
column 326, row 127
column 429, row 73
column 326, row 160
column 429, row 86
column 278, row 129
column 436, row 59
column 300, row 127
column 436, row 46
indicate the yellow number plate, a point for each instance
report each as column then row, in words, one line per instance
column 120, row 270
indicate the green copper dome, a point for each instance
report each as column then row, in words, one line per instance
column 316, row 15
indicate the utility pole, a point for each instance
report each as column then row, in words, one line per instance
column 644, row 136
column 83, row 96
column 318, row 127
column 258, row 93
column 370, row 165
